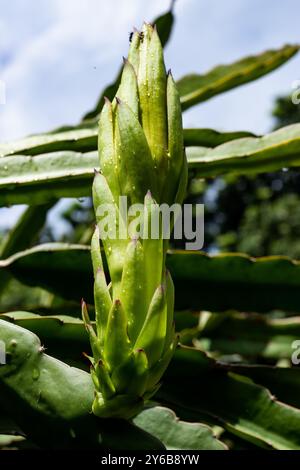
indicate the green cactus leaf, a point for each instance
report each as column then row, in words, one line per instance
column 252, row 284
column 195, row 88
column 69, row 174
column 176, row 434
column 52, row 405
column 192, row 387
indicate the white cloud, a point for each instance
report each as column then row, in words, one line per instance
column 212, row 32
column 66, row 51
column 57, row 72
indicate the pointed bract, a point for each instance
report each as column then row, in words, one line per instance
column 116, row 345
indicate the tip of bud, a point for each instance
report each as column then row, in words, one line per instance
column 169, row 73
column 106, row 100
column 82, row 302
column 96, row 172
column 85, row 355
column 147, row 31
column 162, row 288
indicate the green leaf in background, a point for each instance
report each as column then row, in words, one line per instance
column 51, row 402
column 38, row 179
column 59, row 267
column 194, row 88
column 214, row 283
column 191, row 367
column 23, row 235
column 77, row 140
column 232, row 400
column 26, row 230
column 251, row 336
column 175, row 434
column 283, row 382
column 64, row 336
column 80, row 139
column 249, row 155
column 210, row 137
column 234, row 281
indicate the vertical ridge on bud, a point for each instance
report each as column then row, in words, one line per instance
column 175, row 140
column 107, row 387
column 95, row 346
column 134, row 50
column 96, row 251
column 133, row 287
column 116, row 334
column 135, row 157
column 103, row 304
column 152, row 93
column 152, row 336
column 128, row 89
column 153, row 246
column 106, row 147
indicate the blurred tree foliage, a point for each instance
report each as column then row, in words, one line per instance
column 260, row 214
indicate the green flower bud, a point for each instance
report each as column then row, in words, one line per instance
column 140, row 133
column 141, row 157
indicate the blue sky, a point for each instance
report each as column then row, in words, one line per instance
column 57, row 55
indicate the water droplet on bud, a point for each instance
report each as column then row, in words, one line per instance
column 35, row 374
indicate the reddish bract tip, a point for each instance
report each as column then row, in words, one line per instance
column 106, row 100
